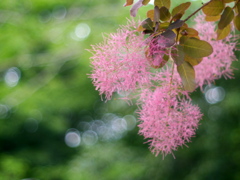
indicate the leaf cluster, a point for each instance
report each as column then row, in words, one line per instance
column 219, row 10
column 185, row 47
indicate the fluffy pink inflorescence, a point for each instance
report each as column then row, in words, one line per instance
column 166, row 120
column 218, row 64
column 119, row 63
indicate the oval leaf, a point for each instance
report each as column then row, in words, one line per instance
column 156, row 14
column 128, row 3
column 190, row 32
column 177, row 24
column 169, row 38
column 212, row 18
column 163, row 26
column 160, row 3
column 150, row 14
column 214, row 8
column 135, row 7
column 181, row 8
column 178, row 54
column 147, row 24
column 222, row 33
column 145, row 2
column 176, row 17
column 193, row 61
column 237, row 22
column 187, row 74
column 226, row 17
column 196, row 48
column 164, row 14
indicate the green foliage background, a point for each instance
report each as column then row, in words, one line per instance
column 55, row 94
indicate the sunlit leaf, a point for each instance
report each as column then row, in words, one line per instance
column 193, row 61
column 187, row 74
column 237, row 22
column 226, row 17
column 140, row 28
column 196, row 48
column 181, row 8
column 214, row 8
column 163, row 26
column 164, row 14
column 128, row 3
column 190, row 32
column 145, row 2
column 222, row 33
column 212, row 18
column 160, row 3
column 150, row 14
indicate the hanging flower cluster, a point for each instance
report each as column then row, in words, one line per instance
column 161, row 71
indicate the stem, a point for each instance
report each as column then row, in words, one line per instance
column 170, row 87
column 236, row 5
column 197, row 11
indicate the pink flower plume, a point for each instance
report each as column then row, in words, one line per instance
column 166, row 120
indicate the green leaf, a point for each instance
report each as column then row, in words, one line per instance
column 214, row 8
column 178, row 55
column 212, row 18
column 177, row 17
column 181, row 8
column 164, row 14
column 147, row 24
column 193, row 61
column 237, row 22
column 226, row 17
column 190, row 32
column 222, row 33
column 196, row 48
column 187, row 74
column 160, row 3
column 145, row 2
column 128, row 3
column 237, row 7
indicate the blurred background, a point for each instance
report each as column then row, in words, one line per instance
column 53, row 124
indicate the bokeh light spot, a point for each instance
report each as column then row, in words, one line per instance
column 59, row 12
column 214, row 95
column 131, row 121
column 3, row 111
column 72, row 138
column 89, row 137
column 12, row 76
column 81, row 32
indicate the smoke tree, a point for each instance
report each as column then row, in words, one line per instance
column 161, row 60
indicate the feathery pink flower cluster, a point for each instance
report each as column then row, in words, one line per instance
column 119, row 63
column 218, row 64
column 167, row 118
